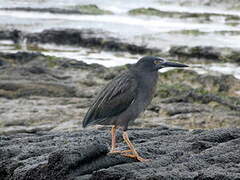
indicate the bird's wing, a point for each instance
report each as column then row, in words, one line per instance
column 112, row 100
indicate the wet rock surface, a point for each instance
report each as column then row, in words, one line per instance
column 173, row 154
column 14, row 35
column 87, row 38
column 209, row 54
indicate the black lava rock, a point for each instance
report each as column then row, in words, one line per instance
column 173, row 153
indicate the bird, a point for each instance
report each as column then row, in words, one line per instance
column 125, row 97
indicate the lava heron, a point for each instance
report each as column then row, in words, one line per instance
column 125, row 97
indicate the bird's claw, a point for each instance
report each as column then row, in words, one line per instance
column 117, row 151
column 126, row 154
column 134, row 156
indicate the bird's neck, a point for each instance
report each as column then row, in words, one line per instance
column 148, row 77
column 147, row 82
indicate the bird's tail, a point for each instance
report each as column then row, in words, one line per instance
column 85, row 121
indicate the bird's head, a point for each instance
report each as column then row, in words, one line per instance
column 152, row 63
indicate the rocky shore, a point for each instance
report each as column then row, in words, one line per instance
column 51, row 93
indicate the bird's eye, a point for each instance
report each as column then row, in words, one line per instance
column 157, row 62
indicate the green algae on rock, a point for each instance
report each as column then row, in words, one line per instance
column 176, row 14
column 90, row 9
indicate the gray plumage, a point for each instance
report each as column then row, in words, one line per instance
column 127, row 95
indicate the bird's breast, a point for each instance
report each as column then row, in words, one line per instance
column 146, row 89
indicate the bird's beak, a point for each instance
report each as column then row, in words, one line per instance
column 171, row 64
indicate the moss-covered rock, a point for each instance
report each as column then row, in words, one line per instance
column 192, row 32
column 208, row 53
column 185, row 98
column 80, row 9
column 150, row 12
column 87, row 38
column 233, row 33
column 182, row 93
column 90, row 9
column 226, row 85
column 233, row 56
column 205, row 53
column 176, row 14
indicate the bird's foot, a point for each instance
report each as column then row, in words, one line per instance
column 135, row 156
column 117, row 151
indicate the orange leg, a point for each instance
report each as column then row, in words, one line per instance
column 113, row 132
column 130, row 145
column 132, row 150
